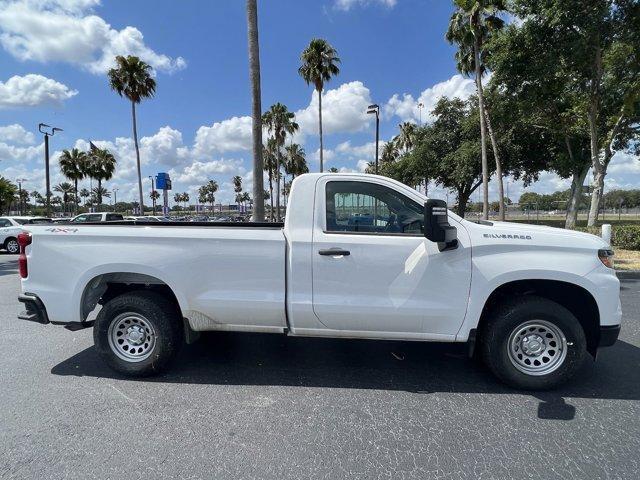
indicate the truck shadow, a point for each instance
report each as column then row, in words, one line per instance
column 263, row 359
column 8, row 267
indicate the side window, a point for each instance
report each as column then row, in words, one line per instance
column 80, row 219
column 371, row 208
column 113, row 216
column 94, row 218
column 4, row 222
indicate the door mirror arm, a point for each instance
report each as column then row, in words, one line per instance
column 436, row 225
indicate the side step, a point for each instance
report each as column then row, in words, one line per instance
column 75, row 326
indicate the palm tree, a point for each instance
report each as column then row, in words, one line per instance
column 132, row 79
column 101, row 166
column 407, row 136
column 98, row 192
column 295, row 163
column 319, row 64
column 333, row 170
column 280, row 122
column 237, row 184
column 256, row 108
column 270, row 160
column 73, row 165
column 469, row 28
column 207, row 192
column 67, row 191
column 185, row 199
column 155, row 195
column 84, row 193
column 8, row 192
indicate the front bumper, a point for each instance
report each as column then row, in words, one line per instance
column 35, row 310
column 608, row 335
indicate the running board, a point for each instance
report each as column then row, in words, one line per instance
column 75, row 326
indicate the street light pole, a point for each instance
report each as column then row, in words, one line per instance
column 375, row 109
column 153, row 196
column 47, row 131
column 115, row 198
column 420, row 106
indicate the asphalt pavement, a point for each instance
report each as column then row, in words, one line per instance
column 265, row 406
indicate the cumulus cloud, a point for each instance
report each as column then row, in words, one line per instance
column 233, row 134
column 405, row 106
column 32, row 90
column 343, row 110
column 67, row 31
column 346, row 5
column 16, row 134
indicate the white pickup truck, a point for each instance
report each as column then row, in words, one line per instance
column 359, row 256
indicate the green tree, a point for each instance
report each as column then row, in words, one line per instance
column 270, row 157
column 295, row 161
column 8, row 192
column 319, row 63
column 131, row 78
column 101, row 166
column 67, row 191
column 470, row 27
column 84, row 193
column 97, row 193
column 73, row 165
column 207, row 193
column 280, row 122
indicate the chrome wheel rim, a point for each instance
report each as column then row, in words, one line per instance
column 12, row 246
column 131, row 337
column 537, row 347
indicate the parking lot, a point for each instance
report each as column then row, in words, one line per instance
column 265, row 406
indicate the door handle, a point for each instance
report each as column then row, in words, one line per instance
column 334, row 252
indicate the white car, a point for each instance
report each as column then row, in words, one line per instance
column 96, row 217
column 534, row 300
column 10, row 227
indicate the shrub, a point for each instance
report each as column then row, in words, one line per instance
column 626, row 237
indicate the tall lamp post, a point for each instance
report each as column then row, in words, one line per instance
column 20, row 201
column 47, row 131
column 375, row 109
column 115, row 198
column 153, row 195
column 420, row 107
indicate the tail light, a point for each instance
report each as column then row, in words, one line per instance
column 24, row 239
column 606, row 257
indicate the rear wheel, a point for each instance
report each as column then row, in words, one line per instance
column 138, row 333
column 533, row 343
column 11, row 245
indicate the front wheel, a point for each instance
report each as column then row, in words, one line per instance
column 12, row 246
column 533, row 343
column 138, row 333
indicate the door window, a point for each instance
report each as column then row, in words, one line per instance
column 366, row 207
column 4, row 222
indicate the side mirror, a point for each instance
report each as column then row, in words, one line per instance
column 436, row 225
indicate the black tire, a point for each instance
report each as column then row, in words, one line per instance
column 505, row 321
column 11, row 245
column 153, row 313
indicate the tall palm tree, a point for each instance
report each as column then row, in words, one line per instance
column 295, row 163
column 185, row 199
column 84, row 193
column 73, row 165
column 132, row 79
column 206, row 193
column 99, row 192
column 256, row 109
column 269, row 156
column 469, row 28
column 101, row 166
column 319, row 64
column 280, row 122
column 67, row 191
column 407, row 136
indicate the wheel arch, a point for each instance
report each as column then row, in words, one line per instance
column 575, row 298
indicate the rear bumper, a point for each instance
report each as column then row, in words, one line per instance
column 608, row 335
column 34, row 311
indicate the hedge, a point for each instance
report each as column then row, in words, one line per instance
column 624, row 236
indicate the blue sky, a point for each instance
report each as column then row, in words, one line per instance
column 54, row 55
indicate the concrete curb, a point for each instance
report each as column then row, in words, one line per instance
column 628, row 274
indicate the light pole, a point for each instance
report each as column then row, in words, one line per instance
column 115, row 199
column 20, row 201
column 375, row 109
column 47, row 131
column 153, row 195
column 420, row 106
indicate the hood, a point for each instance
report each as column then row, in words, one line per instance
column 533, row 235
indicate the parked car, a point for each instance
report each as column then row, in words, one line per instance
column 533, row 300
column 10, row 227
column 96, row 217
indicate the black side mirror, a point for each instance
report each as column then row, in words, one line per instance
column 436, row 225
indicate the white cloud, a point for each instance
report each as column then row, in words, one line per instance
column 17, row 153
column 200, row 172
column 32, row 90
column 16, row 134
column 343, row 110
column 406, row 106
column 233, row 134
column 347, row 5
column 66, row 31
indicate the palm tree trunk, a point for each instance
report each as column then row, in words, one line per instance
column 278, row 185
column 320, row 128
column 99, row 195
column 271, row 194
column 75, row 196
column 256, row 111
column 135, row 141
column 496, row 156
column 483, row 130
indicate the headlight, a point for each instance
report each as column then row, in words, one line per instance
column 606, row 257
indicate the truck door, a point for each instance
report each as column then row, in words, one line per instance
column 373, row 269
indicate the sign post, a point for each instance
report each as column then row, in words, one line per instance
column 163, row 182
